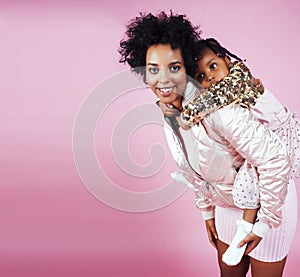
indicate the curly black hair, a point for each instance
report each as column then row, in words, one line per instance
column 148, row 29
column 216, row 47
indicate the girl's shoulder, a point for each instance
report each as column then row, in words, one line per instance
column 229, row 117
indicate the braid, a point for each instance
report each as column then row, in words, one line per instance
column 216, row 47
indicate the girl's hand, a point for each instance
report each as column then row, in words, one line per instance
column 211, row 232
column 258, row 83
column 252, row 240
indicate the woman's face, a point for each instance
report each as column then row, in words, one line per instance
column 211, row 68
column 165, row 73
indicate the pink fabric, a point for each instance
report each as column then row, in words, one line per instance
column 277, row 242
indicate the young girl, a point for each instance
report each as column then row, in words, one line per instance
column 231, row 82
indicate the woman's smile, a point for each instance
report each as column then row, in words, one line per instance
column 167, row 91
column 165, row 73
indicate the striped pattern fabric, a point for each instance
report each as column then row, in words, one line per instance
column 276, row 244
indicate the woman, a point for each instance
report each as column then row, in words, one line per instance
column 162, row 49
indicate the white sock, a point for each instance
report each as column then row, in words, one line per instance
column 234, row 253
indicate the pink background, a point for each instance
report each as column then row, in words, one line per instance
column 53, row 53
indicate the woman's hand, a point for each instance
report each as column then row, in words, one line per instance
column 167, row 111
column 171, row 112
column 211, row 232
column 252, row 240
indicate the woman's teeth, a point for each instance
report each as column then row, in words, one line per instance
column 164, row 91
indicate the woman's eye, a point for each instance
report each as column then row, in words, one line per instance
column 175, row 68
column 213, row 66
column 153, row 70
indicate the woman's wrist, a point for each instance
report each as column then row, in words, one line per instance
column 260, row 228
column 206, row 215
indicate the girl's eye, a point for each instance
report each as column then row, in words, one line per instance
column 200, row 76
column 213, row 66
column 153, row 70
column 175, row 68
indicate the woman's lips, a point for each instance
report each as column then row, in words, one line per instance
column 165, row 91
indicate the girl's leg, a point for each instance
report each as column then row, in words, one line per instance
column 239, row 270
column 264, row 269
column 249, row 215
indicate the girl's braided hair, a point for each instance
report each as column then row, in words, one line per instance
column 216, row 47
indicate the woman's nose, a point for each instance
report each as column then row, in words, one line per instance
column 164, row 76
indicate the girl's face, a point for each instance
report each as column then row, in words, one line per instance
column 211, row 68
column 165, row 73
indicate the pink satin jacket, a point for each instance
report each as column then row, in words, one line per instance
column 221, row 143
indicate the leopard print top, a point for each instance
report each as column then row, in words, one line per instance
column 238, row 87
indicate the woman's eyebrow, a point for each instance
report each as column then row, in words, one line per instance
column 154, row 64
column 175, row 62
column 171, row 63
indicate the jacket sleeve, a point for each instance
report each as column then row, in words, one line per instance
column 269, row 111
column 202, row 200
column 185, row 175
column 263, row 149
column 202, row 192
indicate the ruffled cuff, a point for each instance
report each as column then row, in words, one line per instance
column 260, row 228
column 180, row 177
column 208, row 214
